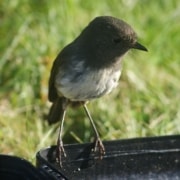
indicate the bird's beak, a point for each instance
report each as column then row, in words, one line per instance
column 139, row 46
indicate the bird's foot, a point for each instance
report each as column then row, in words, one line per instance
column 60, row 152
column 99, row 147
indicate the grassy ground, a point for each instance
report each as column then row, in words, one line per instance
column 33, row 32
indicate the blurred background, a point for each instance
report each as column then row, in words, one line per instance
column 146, row 103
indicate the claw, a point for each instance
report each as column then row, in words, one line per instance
column 99, row 147
column 60, row 152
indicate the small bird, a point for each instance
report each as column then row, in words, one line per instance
column 89, row 68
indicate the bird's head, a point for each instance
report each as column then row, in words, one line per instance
column 107, row 38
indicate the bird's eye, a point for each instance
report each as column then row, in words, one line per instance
column 116, row 40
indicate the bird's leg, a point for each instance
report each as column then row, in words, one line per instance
column 60, row 147
column 98, row 143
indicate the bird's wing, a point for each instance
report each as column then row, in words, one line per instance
column 62, row 60
column 52, row 93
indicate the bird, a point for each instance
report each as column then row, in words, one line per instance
column 89, row 68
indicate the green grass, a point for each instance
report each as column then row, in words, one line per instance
column 33, row 32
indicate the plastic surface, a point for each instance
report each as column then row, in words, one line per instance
column 12, row 168
column 143, row 158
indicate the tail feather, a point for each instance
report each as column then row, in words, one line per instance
column 56, row 111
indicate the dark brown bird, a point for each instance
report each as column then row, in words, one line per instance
column 89, row 68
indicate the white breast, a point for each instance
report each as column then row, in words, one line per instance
column 85, row 83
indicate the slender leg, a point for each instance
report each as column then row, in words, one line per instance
column 98, row 143
column 60, row 148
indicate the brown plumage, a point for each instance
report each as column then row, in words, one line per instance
column 89, row 68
